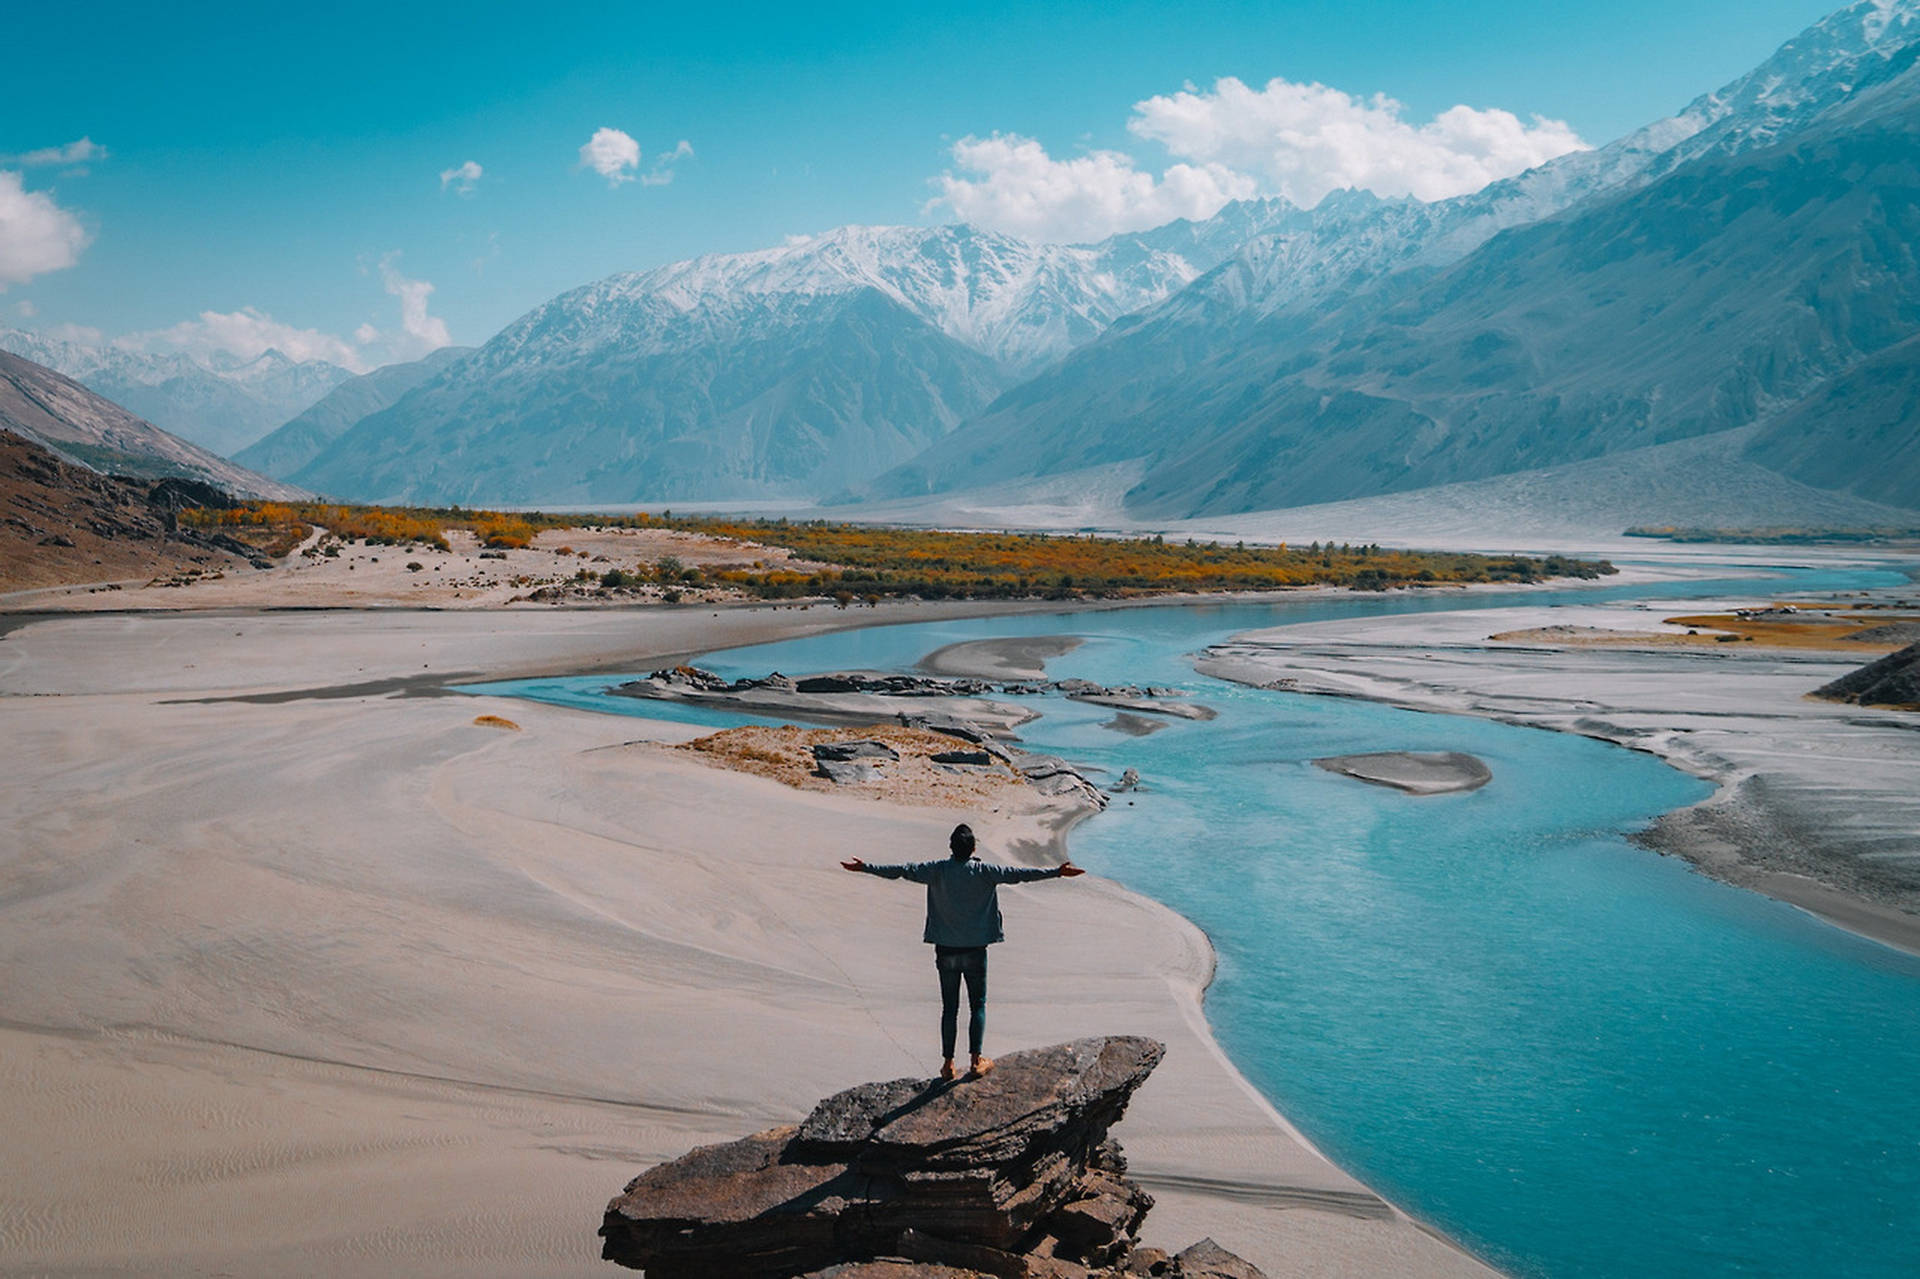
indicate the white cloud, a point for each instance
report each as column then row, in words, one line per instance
column 25, row 309
column 612, row 154
column 84, row 151
column 1304, row 140
column 1024, row 191
column 662, row 172
column 219, row 338
column 82, row 334
column 36, row 234
column 425, row 332
column 461, row 178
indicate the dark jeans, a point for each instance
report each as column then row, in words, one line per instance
column 955, row 963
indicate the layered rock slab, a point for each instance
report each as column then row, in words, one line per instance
column 1010, row 1175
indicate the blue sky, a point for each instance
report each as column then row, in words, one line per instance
column 283, row 163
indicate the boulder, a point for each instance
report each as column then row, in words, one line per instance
column 865, row 748
column 1011, row 1175
column 1208, row 1260
column 977, row 759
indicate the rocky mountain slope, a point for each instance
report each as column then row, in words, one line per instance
column 222, row 407
column 797, row 370
column 1676, row 292
column 298, row 442
column 61, row 415
column 1894, row 680
column 62, row 524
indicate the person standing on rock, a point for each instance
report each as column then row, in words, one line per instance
column 963, row 919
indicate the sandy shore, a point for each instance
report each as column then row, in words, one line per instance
column 304, row 971
column 1817, row 804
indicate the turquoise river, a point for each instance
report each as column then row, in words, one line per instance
column 1575, row 1056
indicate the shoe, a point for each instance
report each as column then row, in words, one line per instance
column 947, row 1071
column 981, row 1066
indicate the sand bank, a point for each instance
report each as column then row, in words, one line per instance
column 1015, row 658
column 1816, row 804
column 293, row 983
column 1415, row 772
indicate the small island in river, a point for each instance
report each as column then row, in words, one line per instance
column 1415, row 772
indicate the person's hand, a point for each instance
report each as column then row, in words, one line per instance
column 853, row 863
column 1068, row 870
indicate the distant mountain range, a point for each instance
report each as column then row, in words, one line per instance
column 1607, row 301
column 60, row 415
column 299, row 441
column 223, row 406
column 793, row 371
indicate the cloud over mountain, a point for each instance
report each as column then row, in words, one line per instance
column 1234, row 142
column 1305, row 140
column 424, row 332
column 1024, row 191
column 245, row 334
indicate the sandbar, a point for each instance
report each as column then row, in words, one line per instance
column 1016, row 657
column 1415, row 772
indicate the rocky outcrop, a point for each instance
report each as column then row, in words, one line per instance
column 61, row 523
column 1894, row 680
column 1012, row 1175
column 847, row 763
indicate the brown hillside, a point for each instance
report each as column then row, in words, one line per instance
column 62, row 524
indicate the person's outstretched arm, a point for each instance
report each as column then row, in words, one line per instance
column 1025, row 874
column 915, row 871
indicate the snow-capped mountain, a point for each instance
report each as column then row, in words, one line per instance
column 798, row 370
column 223, row 407
column 1352, row 239
column 1020, row 304
column 1699, row 275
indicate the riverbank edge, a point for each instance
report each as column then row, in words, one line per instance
column 1700, row 834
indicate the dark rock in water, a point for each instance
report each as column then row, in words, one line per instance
column 1011, row 1176
column 1894, row 680
column 977, row 758
column 682, row 677
column 830, row 684
column 866, row 748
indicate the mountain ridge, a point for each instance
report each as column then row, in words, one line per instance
column 58, row 414
column 1279, row 407
column 220, row 409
